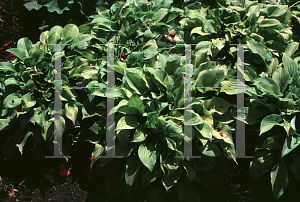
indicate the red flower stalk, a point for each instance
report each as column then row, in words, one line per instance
column 20, row 109
column 11, row 56
column 5, row 45
column 92, row 159
column 122, row 56
column 63, row 172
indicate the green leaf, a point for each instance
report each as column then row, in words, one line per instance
column 104, row 24
column 135, row 57
column 80, row 39
column 10, row 81
column 70, row 30
column 84, row 71
column 179, row 94
column 269, row 122
column 71, row 111
column 217, row 46
column 211, row 150
column 276, row 10
column 291, row 48
column 131, row 29
column 127, row 122
column 139, row 135
column 19, row 53
column 60, row 125
column 25, row 45
column 44, row 35
column 135, row 80
column 232, row 87
column 198, row 30
column 47, row 127
column 260, row 49
column 53, row 38
column 33, row 4
column 281, row 77
column 171, row 143
column 202, row 47
column 266, row 23
column 28, row 100
column 96, row 128
column 205, row 128
column 57, row 29
column 147, row 155
column 273, row 142
column 216, row 104
column 267, row 86
column 290, row 65
column 37, row 118
column 58, row 6
column 133, row 167
column 136, row 104
column 22, row 144
column 273, row 65
column 12, row 100
column 262, row 163
column 149, row 53
column 295, row 166
column 88, row 54
column 194, row 120
column 36, row 57
column 289, row 145
column 293, row 122
column 98, row 150
column 124, row 136
column 172, row 64
column 160, row 14
column 210, row 26
column 4, row 123
column 209, row 78
column 189, row 169
column 177, row 137
column 279, row 179
column 7, row 67
column 68, row 94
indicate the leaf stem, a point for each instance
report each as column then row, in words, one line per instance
column 294, row 4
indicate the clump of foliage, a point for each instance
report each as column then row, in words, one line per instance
column 149, row 93
column 87, row 7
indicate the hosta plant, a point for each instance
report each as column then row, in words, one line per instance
column 149, row 93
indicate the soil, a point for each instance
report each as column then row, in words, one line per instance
column 26, row 175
